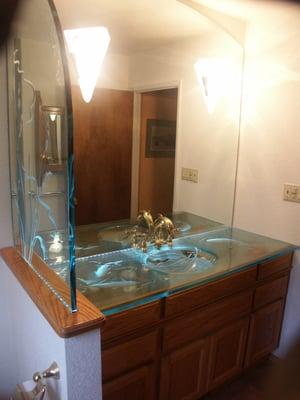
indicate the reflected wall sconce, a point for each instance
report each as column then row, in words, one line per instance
column 88, row 47
column 214, row 77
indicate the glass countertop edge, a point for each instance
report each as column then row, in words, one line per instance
column 166, row 293
column 136, row 303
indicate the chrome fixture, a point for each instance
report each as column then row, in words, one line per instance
column 51, row 372
column 148, row 231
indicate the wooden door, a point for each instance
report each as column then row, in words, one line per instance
column 136, row 385
column 156, row 174
column 102, row 155
column 227, row 352
column 184, row 372
column 264, row 331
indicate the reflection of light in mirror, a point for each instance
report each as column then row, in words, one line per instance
column 261, row 78
column 53, row 117
column 88, row 47
column 216, row 78
column 56, row 246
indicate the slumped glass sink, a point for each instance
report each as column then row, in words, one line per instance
column 122, row 278
column 117, row 233
column 179, row 260
column 116, row 274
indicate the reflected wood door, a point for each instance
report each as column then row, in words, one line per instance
column 136, row 385
column 156, row 174
column 184, row 372
column 102, row 155
column 264, row 331
column 227, row 352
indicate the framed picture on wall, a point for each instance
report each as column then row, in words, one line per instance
column 160, row 138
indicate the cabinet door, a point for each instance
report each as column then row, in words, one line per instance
column 227, row 352
column 264, row 331
column 136, row 385
column 184, row 372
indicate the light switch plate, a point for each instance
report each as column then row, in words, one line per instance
column 189, row 174
column 291, row 192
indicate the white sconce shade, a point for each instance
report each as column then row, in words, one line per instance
column 214, row 76
column 88, row 47
column 53, row 117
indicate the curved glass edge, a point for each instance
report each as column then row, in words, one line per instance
column 41, row 154
column 70, row 170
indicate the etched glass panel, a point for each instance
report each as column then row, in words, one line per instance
column 41, row 143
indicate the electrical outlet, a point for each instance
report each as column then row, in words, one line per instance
column 291, row 192
column 189, row 174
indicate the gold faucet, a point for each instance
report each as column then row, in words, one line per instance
column 148, row 231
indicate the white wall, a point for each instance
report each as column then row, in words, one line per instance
column 270, row 140
column 28, row 344
column 206, row 142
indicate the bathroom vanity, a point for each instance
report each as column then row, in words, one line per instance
column 182, row 320
column 188, row 343
column 189, row 312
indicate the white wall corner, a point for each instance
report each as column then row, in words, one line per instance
column 83, row 362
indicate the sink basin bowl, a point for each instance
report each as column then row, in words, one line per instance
column 124, row 275
column 182, row 226
column 180, row 259
column 118, row 233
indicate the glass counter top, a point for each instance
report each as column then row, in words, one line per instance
column 122, row 278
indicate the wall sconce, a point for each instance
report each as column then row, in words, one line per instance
column 88, row 47
column 214, row 77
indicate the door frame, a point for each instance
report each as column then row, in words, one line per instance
column 136, row 133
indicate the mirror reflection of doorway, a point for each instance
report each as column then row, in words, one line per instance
column 109, row 156
column 157, row 150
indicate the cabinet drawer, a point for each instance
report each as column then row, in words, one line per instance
column 270, row 292
column 209, row 293
column 131, row 354
column 118, row 325
column 271, row 267
column 202, row 322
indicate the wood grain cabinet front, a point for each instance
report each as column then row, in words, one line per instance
column 264, row 331
column 189, row 344
column 227, row 353
column 184, row 372
column 139, row 384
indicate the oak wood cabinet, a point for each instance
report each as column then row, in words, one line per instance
column 136, row 385
column 227, row 353
column 264, row 331
column 183, row 346
column 184, row 372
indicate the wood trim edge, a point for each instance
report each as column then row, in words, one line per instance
column 65, row 323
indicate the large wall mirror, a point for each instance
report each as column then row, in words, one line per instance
column 161, row 131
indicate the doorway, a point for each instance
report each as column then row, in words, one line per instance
column 158, row 119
